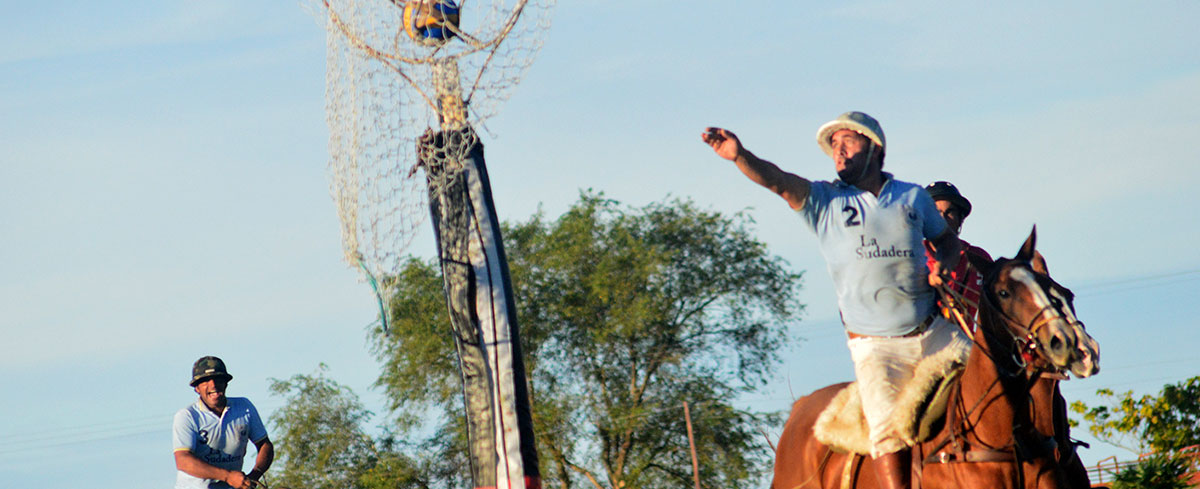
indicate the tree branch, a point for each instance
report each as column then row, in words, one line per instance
column 591, row 478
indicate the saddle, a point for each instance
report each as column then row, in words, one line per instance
column 919, row 407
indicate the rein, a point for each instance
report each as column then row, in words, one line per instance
column 1023, row 352
column 1026, row 337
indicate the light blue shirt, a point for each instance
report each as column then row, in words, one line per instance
column 217, row 440
column 873, row 248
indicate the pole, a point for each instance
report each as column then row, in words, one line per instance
column 482, row 312
column 948, row 299
column 687, row 415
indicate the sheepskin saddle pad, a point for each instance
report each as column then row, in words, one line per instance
column 919, row 406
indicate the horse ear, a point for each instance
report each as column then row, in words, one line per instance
column 1039, row 263
column 1027, row 249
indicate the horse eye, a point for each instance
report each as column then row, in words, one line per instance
column 1055, row 302
column 1003, row 294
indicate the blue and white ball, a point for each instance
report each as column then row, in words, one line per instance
column 431, row 22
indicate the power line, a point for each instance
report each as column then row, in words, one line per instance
column 1139, row 282
column 21, row 442
column 16, row 443
column 1164, row 379
column 1150, row 364
column 42, row 444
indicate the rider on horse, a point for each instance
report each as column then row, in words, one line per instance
column 965, row 281
column 871, row 228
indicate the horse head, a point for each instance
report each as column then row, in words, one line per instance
column 1029, row 310
column 1087, row 358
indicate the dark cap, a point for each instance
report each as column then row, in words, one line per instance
column 947, row 191
column 209, row 366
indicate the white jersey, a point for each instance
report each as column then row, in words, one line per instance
column 217, row 440
column 874, row 251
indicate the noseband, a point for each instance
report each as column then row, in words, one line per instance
column 1024, row 335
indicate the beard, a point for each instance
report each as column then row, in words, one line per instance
column 851, row 175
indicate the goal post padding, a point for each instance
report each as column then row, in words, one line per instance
column 482, row 310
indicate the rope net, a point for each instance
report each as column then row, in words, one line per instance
column 390, row 79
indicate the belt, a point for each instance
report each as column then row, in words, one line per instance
column 921, row 328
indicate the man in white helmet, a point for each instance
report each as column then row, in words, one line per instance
column 871, row 229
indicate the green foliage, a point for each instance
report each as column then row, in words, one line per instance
column 1169, row 421
column 624, row 315
column 1159, row 471
column 392, row 470
column 418, row 352
column 320, row 443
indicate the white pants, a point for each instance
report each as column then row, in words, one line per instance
column 883, row 365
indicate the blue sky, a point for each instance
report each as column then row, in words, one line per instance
column 164, row 193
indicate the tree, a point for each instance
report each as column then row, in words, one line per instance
column 320, row 441
column 1158, row 471
column 1169, row 421
column 624, row 314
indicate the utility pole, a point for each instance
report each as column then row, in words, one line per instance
column 687, row 415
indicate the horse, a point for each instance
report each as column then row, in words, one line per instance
column 1047, row 407
column 986, row 437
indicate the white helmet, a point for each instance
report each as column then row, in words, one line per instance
column 854, row 121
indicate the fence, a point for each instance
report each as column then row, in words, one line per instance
column 1102, row 473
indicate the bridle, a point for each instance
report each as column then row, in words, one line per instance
column 1025, row 350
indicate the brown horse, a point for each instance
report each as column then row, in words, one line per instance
column 1047, row 407
column 987, row 437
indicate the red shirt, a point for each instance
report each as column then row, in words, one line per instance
column 965, row 281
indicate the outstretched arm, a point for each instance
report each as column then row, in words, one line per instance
column 792, row 188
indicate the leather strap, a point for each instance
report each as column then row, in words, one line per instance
column 971, row 456
column 921, row 328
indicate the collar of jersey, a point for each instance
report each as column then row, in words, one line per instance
column 887, row 177
column 204, row 409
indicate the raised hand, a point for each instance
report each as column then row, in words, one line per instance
column 723, row 142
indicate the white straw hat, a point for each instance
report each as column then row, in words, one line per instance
column 854, row 121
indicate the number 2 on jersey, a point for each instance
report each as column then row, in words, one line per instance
column 852, row 219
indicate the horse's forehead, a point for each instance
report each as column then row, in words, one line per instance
column 1026, row 277
column 1064, row 296
column 1089, row 362
column 1056, row 289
